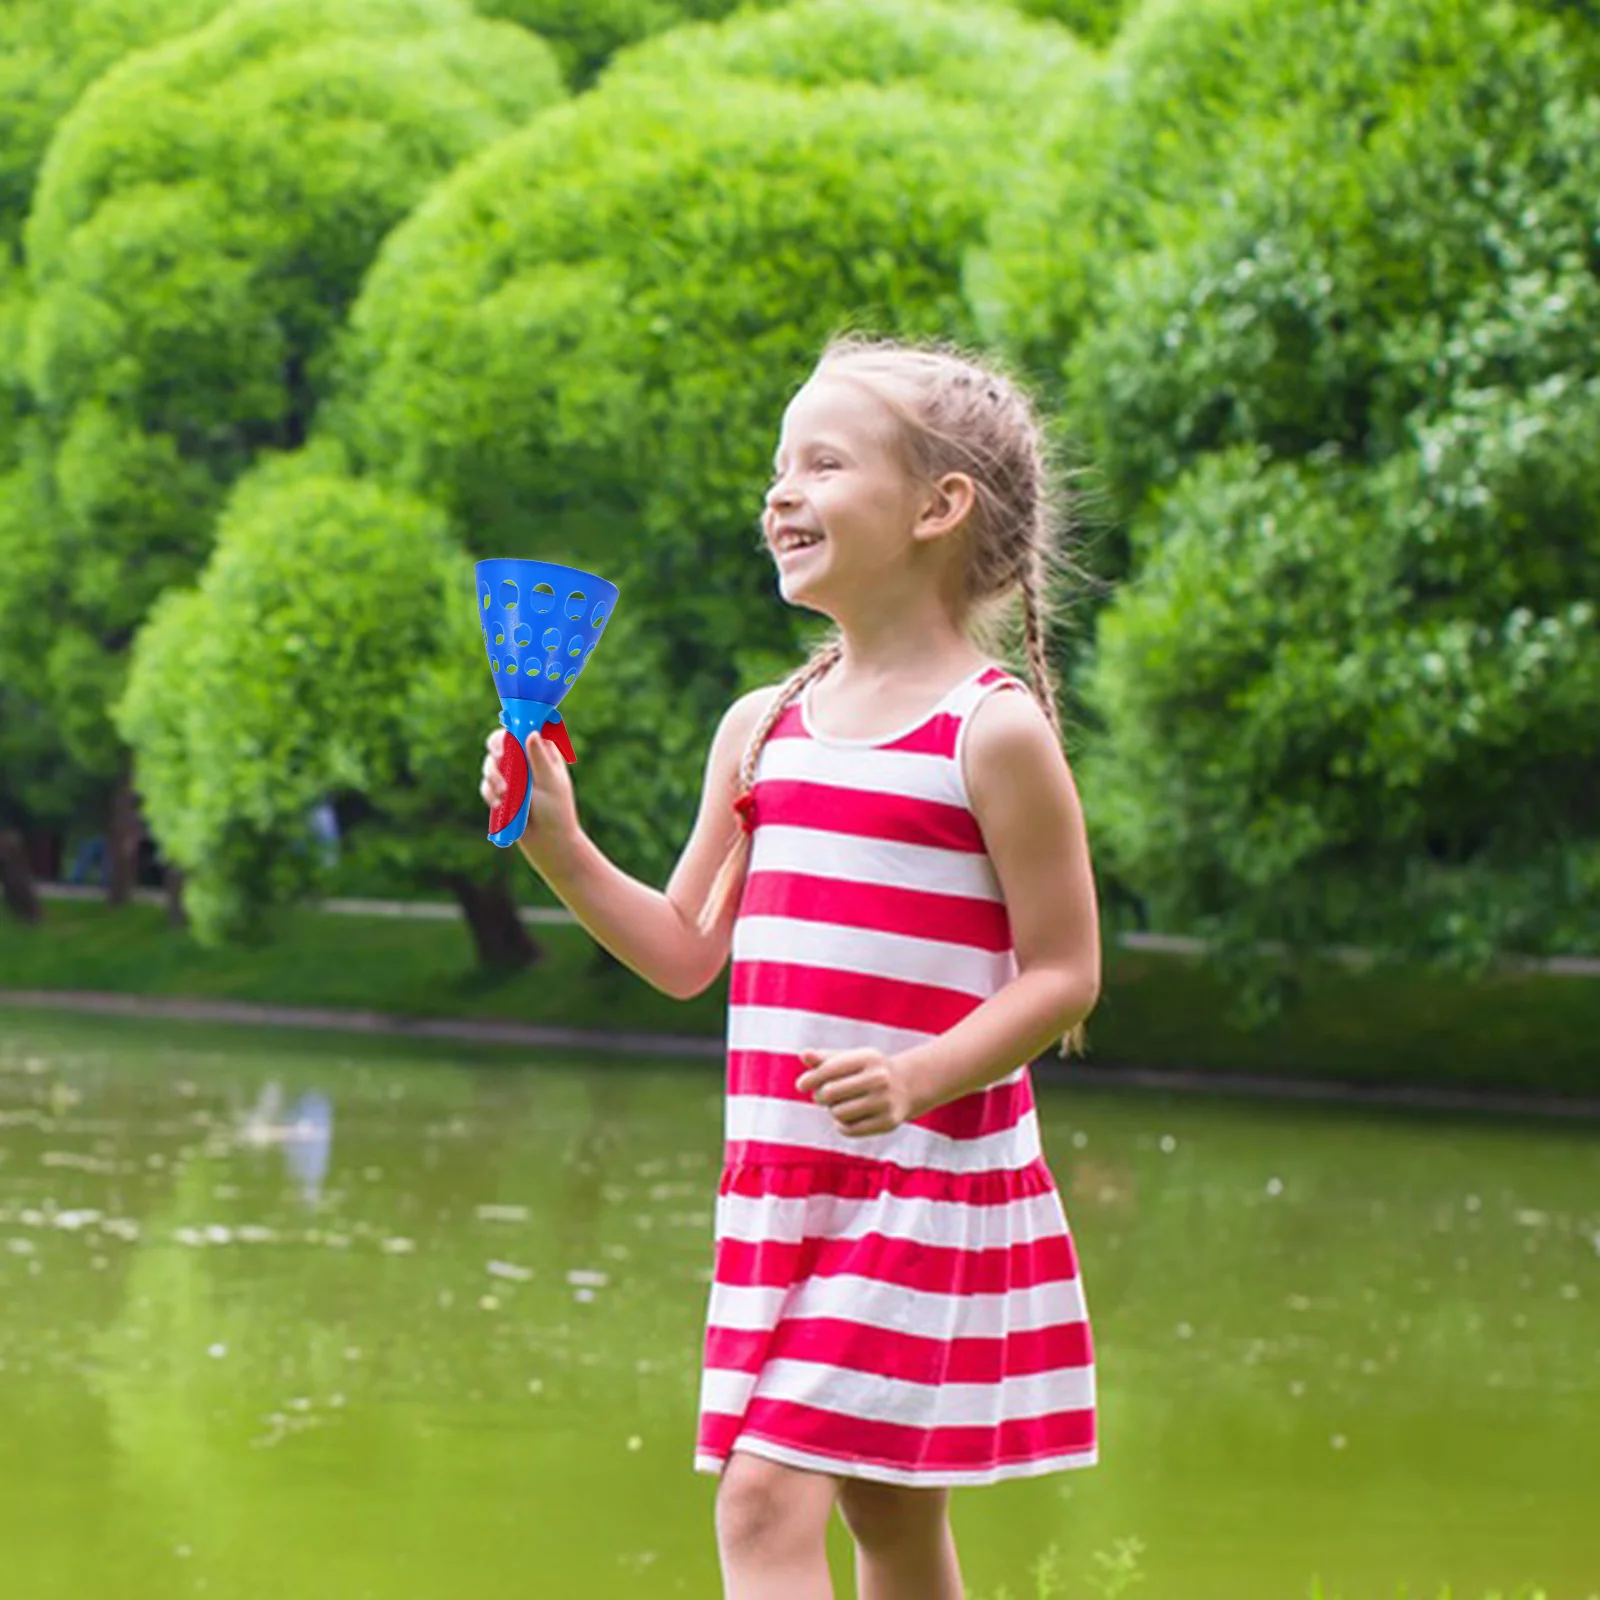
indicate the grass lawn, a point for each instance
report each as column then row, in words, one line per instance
column 1537, row 1034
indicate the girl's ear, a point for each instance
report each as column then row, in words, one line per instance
column 949, row 503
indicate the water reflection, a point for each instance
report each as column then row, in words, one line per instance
column 1365, row 1349
column 304, row 1135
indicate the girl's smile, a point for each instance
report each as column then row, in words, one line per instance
column 841, row 505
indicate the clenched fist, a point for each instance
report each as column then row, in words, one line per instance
column 867, row 1091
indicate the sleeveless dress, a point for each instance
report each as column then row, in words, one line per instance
column 903, row 1307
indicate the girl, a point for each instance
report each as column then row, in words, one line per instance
column 891, row 846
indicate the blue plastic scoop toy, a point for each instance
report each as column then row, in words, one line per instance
column 541, row 623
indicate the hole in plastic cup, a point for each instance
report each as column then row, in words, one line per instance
column 554, row 672
column 552, row 638
column 508, row 594
column 598, row 620
column 494, row 661
column 543, row 597
column 572, row 677
column 576, row 601
column 576, row 647
column 522, row 636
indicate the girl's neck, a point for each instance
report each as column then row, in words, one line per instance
column 894, row 648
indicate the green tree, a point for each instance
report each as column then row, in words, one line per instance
column 957, row 53
column 1095, row 21
column 1348, row 400
column 50, row 52
column 331, row 649
column 201, row 223
column 583, row 346
column 585, row 34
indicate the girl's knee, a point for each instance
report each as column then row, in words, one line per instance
column 887, row 1516
column 768, row 1509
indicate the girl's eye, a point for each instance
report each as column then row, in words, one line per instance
column 827, row 464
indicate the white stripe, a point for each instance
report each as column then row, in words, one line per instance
column 927, row 1313
column 790, row 1031
column 902, row 956
column 914, row 1477
column 897, row 772
column 938, row 1224
column 873, row 1397
column 812, row 1127
column 848, row 856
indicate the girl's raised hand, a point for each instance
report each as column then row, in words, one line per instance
column 552, row 808
column 867, row 1091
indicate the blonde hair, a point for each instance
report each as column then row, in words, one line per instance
column 955, row 413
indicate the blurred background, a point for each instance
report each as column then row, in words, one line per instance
column 306, row 306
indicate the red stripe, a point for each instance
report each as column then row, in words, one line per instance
column 827, row 1433
column 771, row 1074
column 907, row 1357
column 903, row 1263
column 936, row 737
column 759, row 1171
column 867, row 814
column 880, row 908
column 860, row 996
column 996, row 1109
column 790, row 725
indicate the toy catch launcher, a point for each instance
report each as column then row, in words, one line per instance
column 541, row 623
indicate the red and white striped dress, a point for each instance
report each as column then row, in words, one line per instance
column 903, row 1307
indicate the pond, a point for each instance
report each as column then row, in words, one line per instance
column 291, row 1316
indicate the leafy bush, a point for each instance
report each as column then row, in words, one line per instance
column 1349, row 401
column 201, row 223
column 583, row 344
column 1095, row 21
column 974, row 54
column 327, row 651
column 50, row 51
column 586, row 33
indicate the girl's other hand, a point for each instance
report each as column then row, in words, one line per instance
column 553, row 808
column 867, row 1091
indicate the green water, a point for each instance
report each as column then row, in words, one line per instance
column 452, row 1350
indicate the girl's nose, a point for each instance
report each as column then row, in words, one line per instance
column 780, row 494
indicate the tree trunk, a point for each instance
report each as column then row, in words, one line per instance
column 16, row 878
column 499, row 935
column 172, row 883
column 122, row 843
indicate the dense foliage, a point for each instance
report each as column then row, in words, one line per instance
column 583, row 345
column 320, row 655
column 1346, row 398
column 203, row 217
column 352, row 294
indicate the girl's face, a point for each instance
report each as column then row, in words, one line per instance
column 841, row 506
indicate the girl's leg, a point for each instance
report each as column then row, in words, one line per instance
column 772, row 1528
column 904, row 1547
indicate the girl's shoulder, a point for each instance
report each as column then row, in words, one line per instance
column 1011, row 756
column 745, row 714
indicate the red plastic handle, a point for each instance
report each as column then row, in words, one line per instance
column 556, row 733
column 514, row 769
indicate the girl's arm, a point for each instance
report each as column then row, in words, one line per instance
column 1026, row 804
column 654, row 933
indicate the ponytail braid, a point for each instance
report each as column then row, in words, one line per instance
column 731, row 873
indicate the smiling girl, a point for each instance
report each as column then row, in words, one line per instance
column 891, row 848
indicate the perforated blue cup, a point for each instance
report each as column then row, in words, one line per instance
column 541, row 622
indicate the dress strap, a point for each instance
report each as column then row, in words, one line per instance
column 979, row 687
